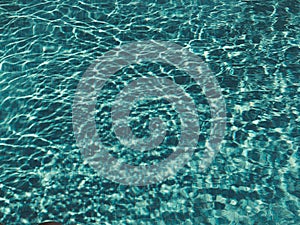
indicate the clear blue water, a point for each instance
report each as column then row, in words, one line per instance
column 251, row 47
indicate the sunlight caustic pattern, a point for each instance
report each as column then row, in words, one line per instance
column 96, row 154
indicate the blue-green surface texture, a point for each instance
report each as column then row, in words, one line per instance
column 251, row 48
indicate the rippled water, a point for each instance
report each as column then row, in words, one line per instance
column 252, row 47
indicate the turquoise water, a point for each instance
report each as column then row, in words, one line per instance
column 251, row 47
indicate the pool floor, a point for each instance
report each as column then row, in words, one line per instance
column 249, row 176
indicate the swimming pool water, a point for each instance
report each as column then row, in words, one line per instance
column 251, row 47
